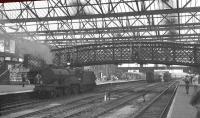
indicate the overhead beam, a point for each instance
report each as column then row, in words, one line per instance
column 159, row 68
column 165, row 37
column 139, row 13
column 7, row 1
column 113, row 29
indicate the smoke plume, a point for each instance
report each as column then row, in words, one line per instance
column 36, row 49
column 171, row 19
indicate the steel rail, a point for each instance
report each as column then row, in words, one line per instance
column 140, row 112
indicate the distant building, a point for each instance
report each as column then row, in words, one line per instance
column 104, row 71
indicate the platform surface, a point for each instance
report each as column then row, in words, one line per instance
column 115, row 81
column 181, row 107
column 18, row 88
column 15, row 88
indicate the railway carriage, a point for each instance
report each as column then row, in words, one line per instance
column 133, row 76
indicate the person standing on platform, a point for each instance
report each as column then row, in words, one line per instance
column 186, row 80
column 38, row 78
column 195, row 102
column 23, row 80
column 195, row 82
column 191, row 78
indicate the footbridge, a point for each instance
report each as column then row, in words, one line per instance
column 168, row 53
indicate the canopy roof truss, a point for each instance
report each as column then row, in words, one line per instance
column 63, row 23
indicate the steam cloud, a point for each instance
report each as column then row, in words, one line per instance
column 172, row 20
column 36, row 49
column 77, row 8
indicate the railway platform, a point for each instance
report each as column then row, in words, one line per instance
column 9, row 89
column 181, row 107
column 116, row 81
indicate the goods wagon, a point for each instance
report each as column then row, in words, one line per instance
column 158, row 76
column 150, row 77
column 167, row 76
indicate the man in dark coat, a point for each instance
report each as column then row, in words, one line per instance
column 195, row 101
column 38, row 78
column 23, row 80
column 187, row 82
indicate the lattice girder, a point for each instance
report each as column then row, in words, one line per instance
column 62, row 23
column 168, row 53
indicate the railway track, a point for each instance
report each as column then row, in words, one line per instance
column 95, row 108
column 11, row 107
column 100, row 110
column 70, row 105
column 159, row 106
column 14, row 101
column 73, row 107
column 94, row 112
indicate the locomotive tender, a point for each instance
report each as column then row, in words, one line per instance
column 57, row 81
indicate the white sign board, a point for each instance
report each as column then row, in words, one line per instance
column 1, row 45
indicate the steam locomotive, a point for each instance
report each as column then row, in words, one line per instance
column 53, row 81
column 57, row 82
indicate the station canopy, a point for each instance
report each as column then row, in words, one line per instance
column 63, row 23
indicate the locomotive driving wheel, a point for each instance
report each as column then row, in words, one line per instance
column 53, row 94
column 75, row 89
column 67, row 91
